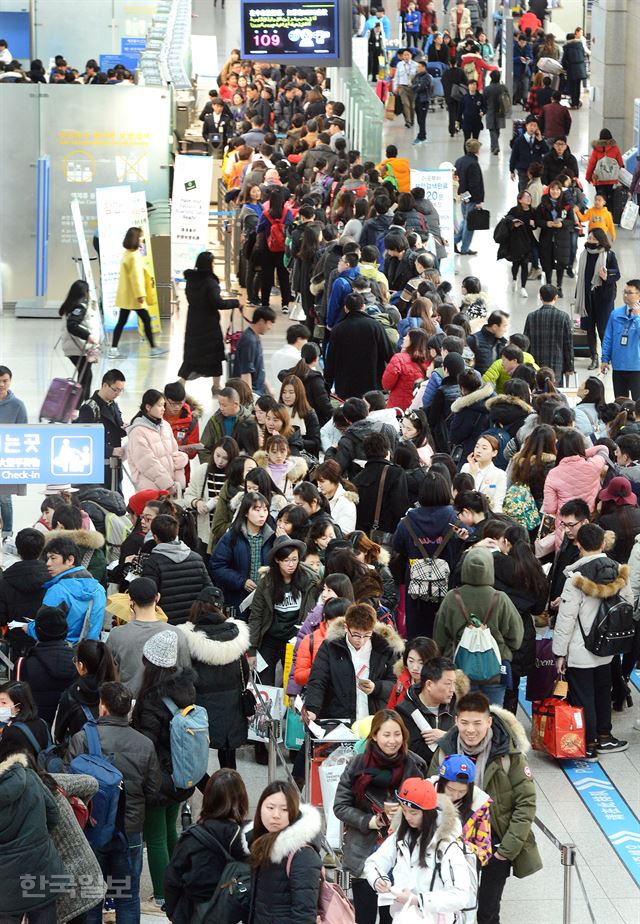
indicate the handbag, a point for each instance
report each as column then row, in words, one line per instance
column 545, row 542
column 296, row 313
column 478, row 220
column 629, row 215
column 519, row 504
column 429, row 578
column 247, row 699
column 541, row 679
column 378, row 535
column 557, row 727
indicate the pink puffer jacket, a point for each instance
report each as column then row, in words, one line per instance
column 154, row 458
column 573, row 477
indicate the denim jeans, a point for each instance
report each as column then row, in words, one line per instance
column 463, row 236
column 6, row 513
column 122, row 865
column 46, row 915
column 493, row 691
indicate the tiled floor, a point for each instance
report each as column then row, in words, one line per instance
column 27, row 347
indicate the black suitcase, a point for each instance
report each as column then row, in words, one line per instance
column 580, row 343
column 618, row 202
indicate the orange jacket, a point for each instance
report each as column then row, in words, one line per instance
column 305, row 654
column 401, row 170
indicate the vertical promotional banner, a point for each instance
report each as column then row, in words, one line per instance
column 189, row 210
column 140, row 219
column 438, row 188
column 76, row 214
column 113, row 206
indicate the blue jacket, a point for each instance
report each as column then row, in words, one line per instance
column 339, row 291
column 75, row 588
column 412, row 21
column 525, row 151
column 518, row 67
column 230, row 564
column 385, row 22
column 622, row 358
column 434, row 383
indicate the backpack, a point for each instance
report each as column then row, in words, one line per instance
column 105, row 804
column 231, row 899
column 275, row 238
column 49, row 757
column 519, row 504
column 502, row 231
column 607, row 170
column 503, row 436
column 390, row 177
column 333, row 905
column 468, row 914
column 429, row 575
column 504, row 106
column 613, row 629
column 189, row 731
column 477, row 653
column 116, row 530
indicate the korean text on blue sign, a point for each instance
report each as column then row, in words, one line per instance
column 51, row 454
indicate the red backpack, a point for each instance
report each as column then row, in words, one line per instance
column 275, row 238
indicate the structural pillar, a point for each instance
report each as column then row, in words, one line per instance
column 608, row 40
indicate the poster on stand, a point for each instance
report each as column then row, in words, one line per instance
column 438, row 189
column 140, row 219
column 113, row 207
column 189, row 211
column 76, row 214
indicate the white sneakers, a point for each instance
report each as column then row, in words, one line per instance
column 524, row 293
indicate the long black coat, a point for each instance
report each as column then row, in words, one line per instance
column 521, row 239
column 355, row 373
column 203, row 342
column 218, row 658
column 526, row 603
column 48, row 668
column 555, row 243
column 395, row 498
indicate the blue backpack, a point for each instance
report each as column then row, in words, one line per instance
column 102, row 825
column 189, row 731
column 48, row 758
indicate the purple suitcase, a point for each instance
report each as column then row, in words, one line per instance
column 63, row 397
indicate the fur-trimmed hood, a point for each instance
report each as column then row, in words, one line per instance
column 513, row 727
column 448, row 823
column 509, row 399
column 17, row 758
column 601, row 144
column 381, row 634
column 84, row 538
column 474, row 397
column 598, row 576
column 297, row 466
column 218, row 644
column 302, row 833
column 196, row 408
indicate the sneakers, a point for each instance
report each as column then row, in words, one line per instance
column 535, row 272
column 524, row 293
column 158, row 351
column 113, row 353
column 285, row 309
column 560, row 293
column 514, row 285
column 151, row 906
column 591, row 753
column 611, row 745
column 636, row 725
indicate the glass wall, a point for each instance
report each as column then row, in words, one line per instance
column 364, row 111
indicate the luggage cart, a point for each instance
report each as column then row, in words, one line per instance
column 436, row 70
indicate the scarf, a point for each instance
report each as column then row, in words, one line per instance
column 480, row 754
column 380, row 771
column 601, row 263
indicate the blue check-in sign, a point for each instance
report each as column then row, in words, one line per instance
column 51, row 454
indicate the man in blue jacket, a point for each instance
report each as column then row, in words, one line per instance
column 621, row 344
column 342, row 286
column 522, row 61
column 72, row 585
column 526, row 149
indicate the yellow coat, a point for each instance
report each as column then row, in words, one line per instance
column 132, row 282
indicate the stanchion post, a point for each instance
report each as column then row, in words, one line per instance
column 227, row 253
column 272, row 750
column 568, row 859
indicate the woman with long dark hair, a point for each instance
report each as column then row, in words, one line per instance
column 284, row 596
column 155, row 459
column 203, row 352
column 136, row 287
column 554, row 216
column 269, row 250
column 520, row 242
column 531, row 465
column 414, row 428
column 598, row 273
column 207, row 482
column 197, row 864
column 592, row 400
column 293, row 396
column 366, row 800
column 80, row 330
column 260, row 481
column 406, row 456
column 302, row 270
column 341, row 494
column 95, row 665
column 406, row 368
column 239, row 468
column 284, row 857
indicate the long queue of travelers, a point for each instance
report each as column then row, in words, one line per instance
column 404, row 467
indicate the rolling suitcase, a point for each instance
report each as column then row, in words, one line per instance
column 62, row 399
column 618, row 202
column 580, row 343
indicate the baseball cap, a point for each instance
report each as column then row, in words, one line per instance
column 457, row 769
column 417, row 793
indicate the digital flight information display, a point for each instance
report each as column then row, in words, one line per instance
column 290, row 30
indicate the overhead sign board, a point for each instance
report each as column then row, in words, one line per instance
column 290, row 31
column 51, row 454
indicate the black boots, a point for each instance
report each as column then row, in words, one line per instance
column 594, row 362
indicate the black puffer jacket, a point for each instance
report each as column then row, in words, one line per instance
column 395, row 498
column 279, row 895
column 96, row 500
column 71, row 717
column 469, row 418
column 351, row 444
column 218, row 656
column 179, row 574
column 153, row 719
column 331, row 690
column 555, row 243
column 48, row 668
column 509, row 412
column 527, row 604
column 486, row 348
column 194, row 870
column 21, row 590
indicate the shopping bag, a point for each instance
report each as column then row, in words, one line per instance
column 542, row 678
column 296, row 313
column 286, row 671
column 390, row 107
column 269, row 703
column 294, row 732
column 558, row 728
column 330, row 772
column 629, row 215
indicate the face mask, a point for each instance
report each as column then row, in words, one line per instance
column 592, row 247
column 5, row 714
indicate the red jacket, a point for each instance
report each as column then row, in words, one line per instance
column 186, row 428
column 399, row 378
column 602, row 149
column 305, row 655
column 400, row 689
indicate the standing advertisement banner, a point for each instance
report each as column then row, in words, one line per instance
column 140, row 219
column 190, row 210
column 113, row 207
column 76, row 214
column 438, row 189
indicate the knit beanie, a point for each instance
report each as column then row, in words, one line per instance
column 51, row 624
column 162, row 649
column 137, row 502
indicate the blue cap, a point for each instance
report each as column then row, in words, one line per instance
column 457, row 769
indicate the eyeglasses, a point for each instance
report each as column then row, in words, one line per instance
column 360, row 635
column 568, row 525
column 290, row 561
column 116, row 390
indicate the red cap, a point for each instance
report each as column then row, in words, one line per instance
column 418, row 793
column 137, row 502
